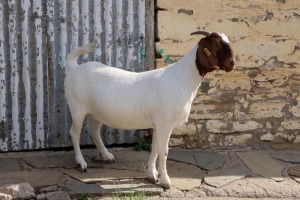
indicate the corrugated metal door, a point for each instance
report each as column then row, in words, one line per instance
column 36, row 36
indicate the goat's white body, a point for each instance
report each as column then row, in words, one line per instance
column 129, row 100
column 159, row 99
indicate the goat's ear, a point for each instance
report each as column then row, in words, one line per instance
column 206, row 54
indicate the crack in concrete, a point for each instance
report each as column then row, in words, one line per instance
column 263, row 189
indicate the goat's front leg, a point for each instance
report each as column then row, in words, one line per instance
column 151, row 167
column 95, row 133
column 162, row 139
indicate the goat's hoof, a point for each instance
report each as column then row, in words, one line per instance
column 165, row 182
column 166, row 186
column 84, row 170
column 108, row 158
column 109, row 161
column 152, row 180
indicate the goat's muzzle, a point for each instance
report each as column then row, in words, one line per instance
column 229, row 65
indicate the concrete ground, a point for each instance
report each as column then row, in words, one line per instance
column 195, row 174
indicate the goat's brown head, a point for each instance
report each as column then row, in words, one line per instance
column 214, row 52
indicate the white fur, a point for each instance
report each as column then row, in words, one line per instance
column 224, row 37
column 159, row 99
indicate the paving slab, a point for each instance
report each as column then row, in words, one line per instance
column 287, row 157
column 184, row 176
column 258, row 187
column 119, row 187
column 262, row 164
column 83, row 189
column 227, row 176
column 9, row 165
column 66, row 161
column 132, row 160
column 284, row 146
column 96, row 175
column 204, row 160
column 294, row 173
column 34, row 178
column 122, row 188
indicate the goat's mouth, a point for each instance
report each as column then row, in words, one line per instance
column 226, row 68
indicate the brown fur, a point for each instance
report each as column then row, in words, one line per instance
column 213, row 53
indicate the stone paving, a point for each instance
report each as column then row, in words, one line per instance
column 195, row 174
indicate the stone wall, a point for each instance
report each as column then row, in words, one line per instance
column 257, row 104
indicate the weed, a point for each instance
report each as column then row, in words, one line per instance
column 87, row 196
column 141, row 144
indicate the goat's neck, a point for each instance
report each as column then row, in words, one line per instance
column 187, row 71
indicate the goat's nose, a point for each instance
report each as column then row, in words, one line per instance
column 232, row 63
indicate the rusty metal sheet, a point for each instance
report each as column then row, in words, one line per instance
column 35, row 37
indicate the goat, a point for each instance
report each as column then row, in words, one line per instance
column 158, row 99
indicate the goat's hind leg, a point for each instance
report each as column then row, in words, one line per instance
column 75, row 131
column 94, row 127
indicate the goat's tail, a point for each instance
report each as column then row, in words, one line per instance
column 73, row 55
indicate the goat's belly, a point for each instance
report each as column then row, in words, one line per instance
column 124, row 121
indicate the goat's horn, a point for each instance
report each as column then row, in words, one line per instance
column 206, row 33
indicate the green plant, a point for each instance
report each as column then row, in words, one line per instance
column 129, row 195
column 141, row 144
column 86, row 196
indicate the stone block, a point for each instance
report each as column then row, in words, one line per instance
column 174, row 26
column 176, row 141
column 196, row 5
column 60, row 195
column 271, row 79
column 297, row 139
column 285, row 28
column 238, row 139
column 295, row 110
column 160, row 63
column 212, row 116
column 291, row 124
column 41, row 196
column 176, row 48
column 285, row 136
column 218, row 126
column 51, row 188
column 269, row 109
column 185, row 129
column 5, row 197
column 267, row 137
column 18, row 191
column 234, row 81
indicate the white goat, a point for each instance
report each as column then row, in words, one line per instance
column 159, row 99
